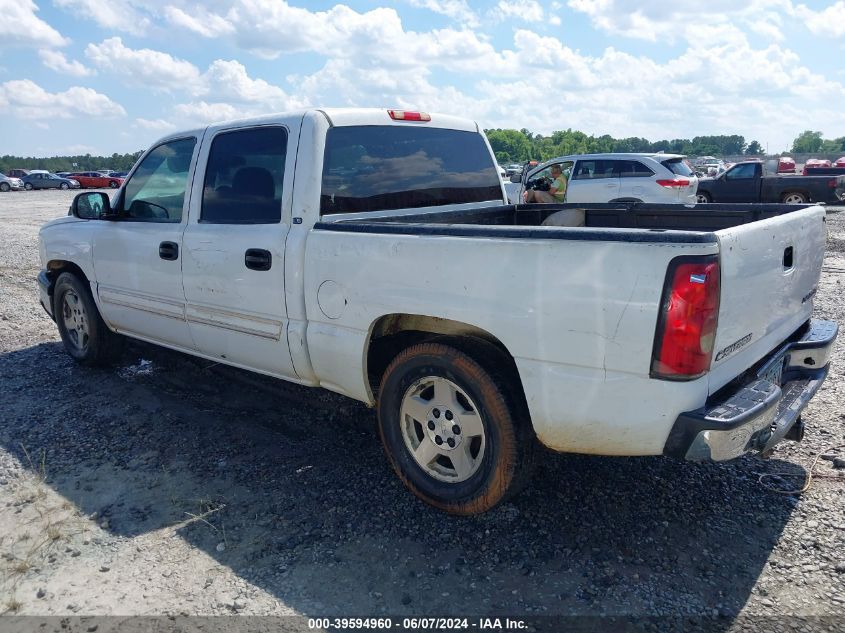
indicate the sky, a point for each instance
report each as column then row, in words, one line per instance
column 104, row 76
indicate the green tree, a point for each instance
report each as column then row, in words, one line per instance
column 807, row 142
column 514, row 143
column 831, row 147
column 754, row 149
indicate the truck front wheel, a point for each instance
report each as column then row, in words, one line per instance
column 84, row 333
column 450, row 431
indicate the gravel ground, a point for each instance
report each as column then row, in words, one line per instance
column 170, row 485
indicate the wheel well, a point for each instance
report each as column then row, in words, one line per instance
column 395, row 332
column 56, row 267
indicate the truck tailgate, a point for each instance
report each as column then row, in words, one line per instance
column 769, row 273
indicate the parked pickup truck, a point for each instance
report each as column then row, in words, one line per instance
column 749, row 182
column 373, row 253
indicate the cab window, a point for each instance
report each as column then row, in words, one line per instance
column 156, row 191
column 243, row 180
column 741, row 172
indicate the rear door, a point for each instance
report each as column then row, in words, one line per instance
column 769, row 273
column 594, row 180
column 636, row 181
column 233, row 269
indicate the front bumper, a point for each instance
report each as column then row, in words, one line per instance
column 44, row 293
column 758, row 414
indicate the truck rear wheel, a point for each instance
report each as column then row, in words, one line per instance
column 450, row 431
column 794, row 197
column 84, row 333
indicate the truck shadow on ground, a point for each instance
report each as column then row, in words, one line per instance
column 294, row 483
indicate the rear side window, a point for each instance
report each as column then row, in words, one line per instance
column 596, row 169
column 634, row 169
column 373, row 168
column 678, row 166
column 243, row 179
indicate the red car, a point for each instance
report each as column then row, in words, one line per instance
column 814, row 162
column 95, row 179
column 786, row 165
column 840, row 162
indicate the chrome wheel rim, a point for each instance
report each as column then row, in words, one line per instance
column 700, row 198
column 794, row 198
column 442, row 429
column 75, row 320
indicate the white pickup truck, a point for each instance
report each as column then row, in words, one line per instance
column 372, row 252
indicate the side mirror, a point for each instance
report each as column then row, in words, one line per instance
column 516, row 178
column 93, row 205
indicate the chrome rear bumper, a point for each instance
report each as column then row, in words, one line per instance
column 758, row 415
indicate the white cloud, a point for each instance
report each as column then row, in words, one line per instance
column 229, row 81
column 829, row 21
column 118, row 15
column 528, row 10
column 19, row 26
column 151, row 69
column 658, row 22
column 456, row 9
column 56, row 60
column 156, row 125
column 201, row 112
column 201, row 21
column 25, row 99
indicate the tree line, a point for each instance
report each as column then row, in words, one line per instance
column 809, row 142
column 517, row 146
column 510, row 146
column 87, row 162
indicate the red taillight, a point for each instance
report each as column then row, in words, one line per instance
column 686, row 327
column 676, row 182
column 832, row 183
column 404, row 115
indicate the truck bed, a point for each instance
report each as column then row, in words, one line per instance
column 661, row 223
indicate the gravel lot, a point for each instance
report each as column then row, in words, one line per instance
column 170, row 485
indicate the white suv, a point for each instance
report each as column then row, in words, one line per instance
column 665, row 178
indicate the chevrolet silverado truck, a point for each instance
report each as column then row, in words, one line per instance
column 749, row 182
column 373, row 253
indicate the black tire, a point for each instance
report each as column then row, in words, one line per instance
column 794, row 197
column 64, row 185
column 4, row 187
column 702, row 197
column 28, row 186
column 113, row 184
column 508, row 440
column 74, row 305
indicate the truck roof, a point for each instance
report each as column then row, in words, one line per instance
column 341, row 117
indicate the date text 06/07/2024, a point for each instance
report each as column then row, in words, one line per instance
column 416, row 624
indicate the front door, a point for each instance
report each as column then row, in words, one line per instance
column 138, row 257
column 738, row 184
column 233, row 268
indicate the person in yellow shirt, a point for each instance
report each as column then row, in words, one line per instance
column 557, row 189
